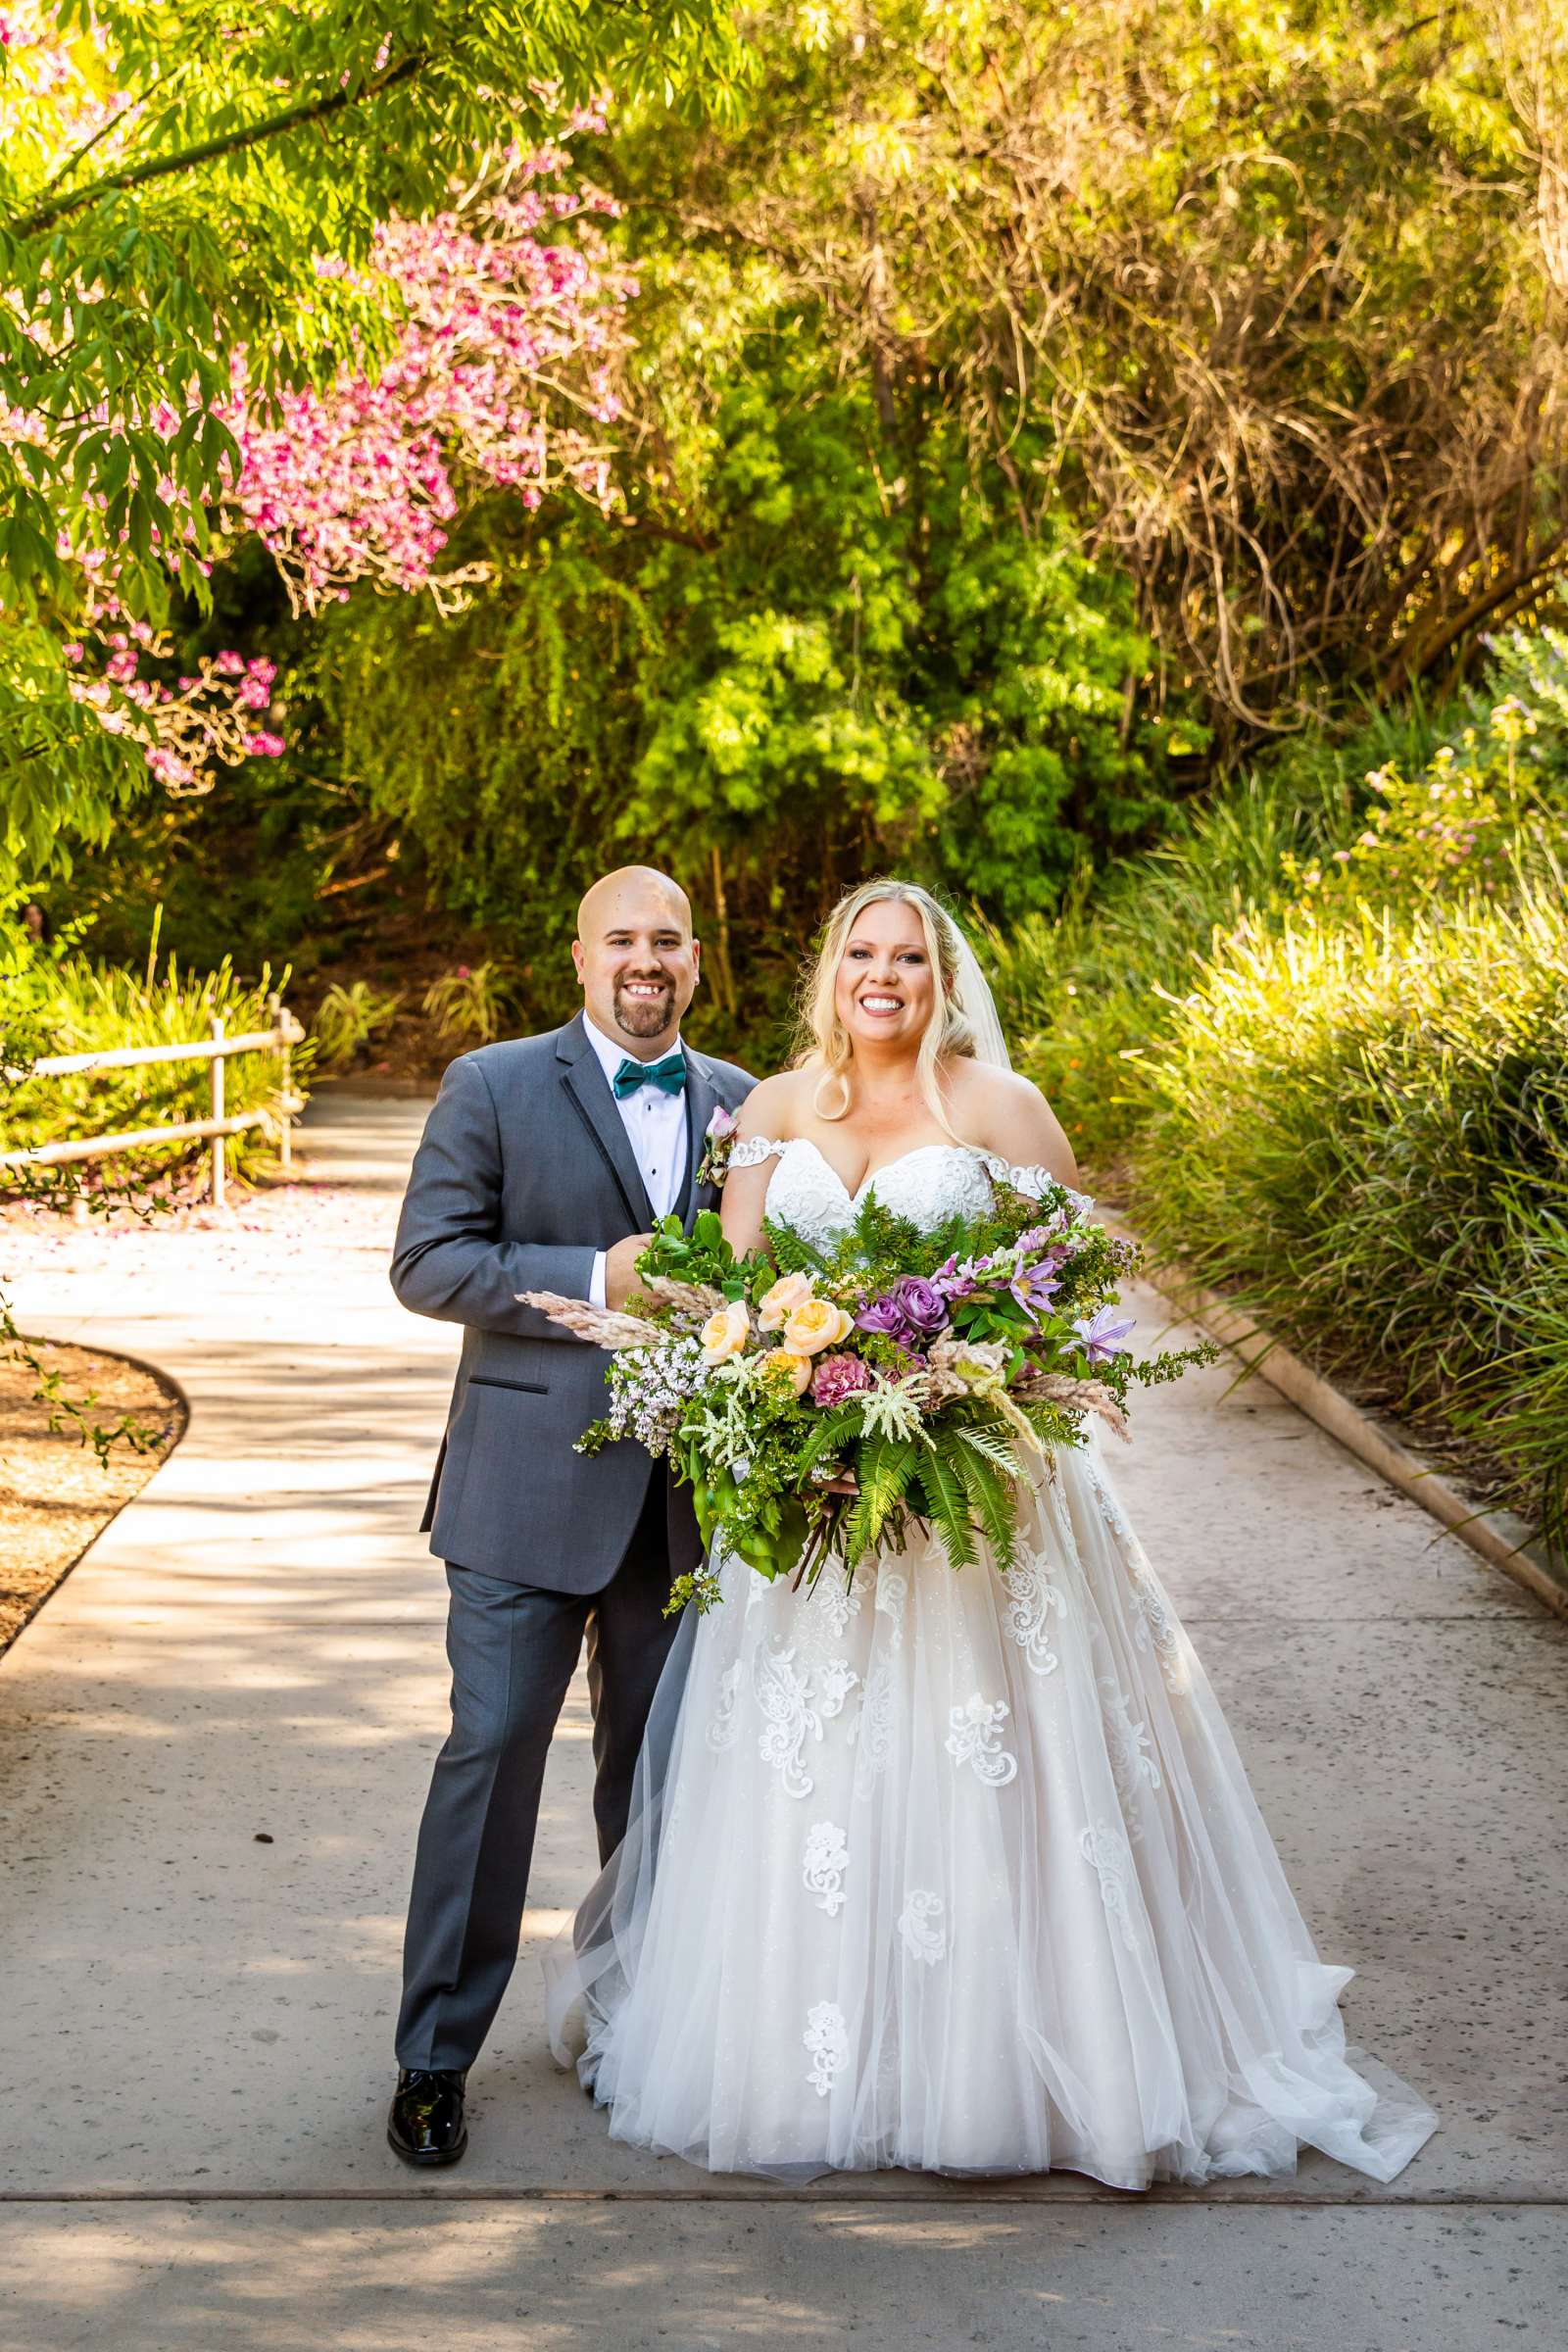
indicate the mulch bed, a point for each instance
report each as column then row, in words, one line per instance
column 55, row 1495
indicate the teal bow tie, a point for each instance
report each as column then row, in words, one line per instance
column 668, row 1075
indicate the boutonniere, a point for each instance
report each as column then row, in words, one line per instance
column 717, row 1143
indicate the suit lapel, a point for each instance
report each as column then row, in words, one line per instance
column 590, row 1091
column 700, row 1100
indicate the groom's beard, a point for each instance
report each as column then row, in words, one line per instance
column 643, row 1017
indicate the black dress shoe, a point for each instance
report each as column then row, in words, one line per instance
column 426, row 2123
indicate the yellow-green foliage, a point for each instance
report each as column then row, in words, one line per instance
column 66, row 1004
column 351, row 1016
column 1332, row 1074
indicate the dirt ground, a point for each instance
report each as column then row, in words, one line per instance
column 54, row 1493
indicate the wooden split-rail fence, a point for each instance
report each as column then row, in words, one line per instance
column 217, row 1051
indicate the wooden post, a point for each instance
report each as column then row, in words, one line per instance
column 285, row 1085
column 220, row 1142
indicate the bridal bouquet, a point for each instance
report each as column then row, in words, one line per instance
column 913, row 1372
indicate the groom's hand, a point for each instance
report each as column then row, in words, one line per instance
column 620, row 1269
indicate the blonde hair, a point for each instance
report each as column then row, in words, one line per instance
column 825, row 1045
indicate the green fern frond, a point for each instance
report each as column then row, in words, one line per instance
column 990, row 1497
column 829, row 1435
column 989, row 1438
column 947, row 1505
column 791, row 1251
column 886, row 1468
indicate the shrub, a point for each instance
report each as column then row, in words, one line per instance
column 474, row 1005
column 66, row 1004
column 1364, row 1127
column 350, row 1017
column 1321, row 1038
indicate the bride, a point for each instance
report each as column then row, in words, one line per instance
column 955, row 1871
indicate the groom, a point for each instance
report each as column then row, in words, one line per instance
column 543, row 1164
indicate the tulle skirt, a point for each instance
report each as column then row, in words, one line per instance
column 960, row 1872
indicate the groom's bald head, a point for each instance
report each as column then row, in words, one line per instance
column 631, row 889
column 636, row 958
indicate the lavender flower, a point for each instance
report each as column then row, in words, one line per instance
column 1035, row 1288
column 1103, row 1337
column 952, row 1280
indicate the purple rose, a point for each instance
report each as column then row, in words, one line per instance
column 921, row 1304
column 837, row 1377
column 884, row 1316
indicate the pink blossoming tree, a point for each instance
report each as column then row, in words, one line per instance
column 320, row 275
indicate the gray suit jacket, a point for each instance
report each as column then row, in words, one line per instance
column 523, row 1172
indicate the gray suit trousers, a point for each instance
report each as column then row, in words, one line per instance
column 513, row 1648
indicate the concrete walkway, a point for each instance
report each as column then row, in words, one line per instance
column 213, row 1744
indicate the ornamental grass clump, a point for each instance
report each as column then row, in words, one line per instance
column 1360, row 1123
column 1316, row 1040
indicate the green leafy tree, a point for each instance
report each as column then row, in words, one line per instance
column 799, row 685
column 179, row 183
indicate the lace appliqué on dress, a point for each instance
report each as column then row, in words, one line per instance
column 1131, row 1752
column 1031, row 1598
column 827, row 2038
column 753, row 1153
column 871, row 1731
column 823, row 1863
column 1156, row 1624
column 976, row 1739
column 831, row 1607
column 892, row 1592
column 839, row 1679
column 785, row 1699
column 922, row 1927
column 1111, row 1856
column 725, row 1726
column 794, row 1712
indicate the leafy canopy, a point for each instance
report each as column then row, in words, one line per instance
column 181, row 184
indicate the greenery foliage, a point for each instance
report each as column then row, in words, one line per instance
column 178, row 186
column 23, row 1043
column 802, row 684
column 471, row 1003
column 65, row 1002
column 351, row 1017
column 1333, row 1063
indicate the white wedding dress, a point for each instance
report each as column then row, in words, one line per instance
column 957, row 1871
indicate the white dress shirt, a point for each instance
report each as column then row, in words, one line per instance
column 656, row 1126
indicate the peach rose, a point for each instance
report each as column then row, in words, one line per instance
column 782, row 1364
column 725, row 1334
column 816, row 1325
column 790, row 1293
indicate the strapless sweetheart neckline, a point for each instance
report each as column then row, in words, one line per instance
column 919, row 1151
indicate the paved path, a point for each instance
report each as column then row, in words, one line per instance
column 214, row 1740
